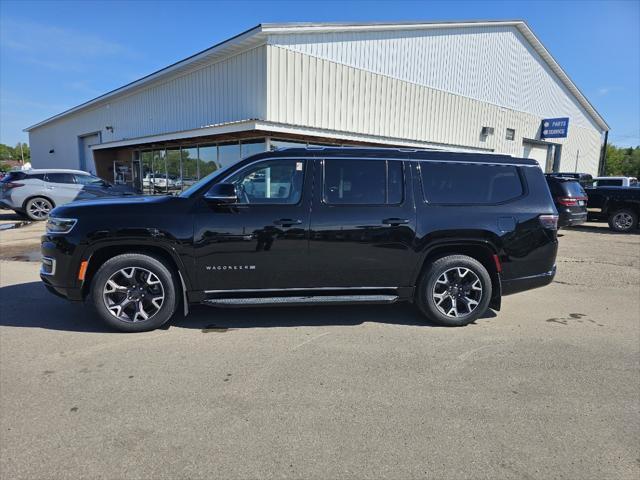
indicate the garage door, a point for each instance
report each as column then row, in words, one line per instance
column 537, row 152
column 86, row 155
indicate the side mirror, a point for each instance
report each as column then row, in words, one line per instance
column 222, row 194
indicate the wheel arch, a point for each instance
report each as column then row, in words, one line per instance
column 617, row 205
column 482, row 250
column 31, row 197
column 99, row 254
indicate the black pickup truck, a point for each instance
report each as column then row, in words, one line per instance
column 620, row 206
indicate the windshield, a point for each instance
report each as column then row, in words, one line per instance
column 203, row 181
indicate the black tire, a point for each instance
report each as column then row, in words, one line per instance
column 38, row 208
column 140, row 263
column 22, row 214
column 433, row 275
column 623, row 220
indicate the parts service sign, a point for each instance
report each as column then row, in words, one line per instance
column 555, row 128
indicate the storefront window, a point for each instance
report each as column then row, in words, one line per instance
column 189, row 166
column 251, row 147
column 228, row 154
column 175, row 169
column 147, row 171
column 208, row 160
column 276, row 144
column 160, row 171
column 173, row 181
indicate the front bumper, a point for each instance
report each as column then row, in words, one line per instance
column 59, row 268
column 521, row 284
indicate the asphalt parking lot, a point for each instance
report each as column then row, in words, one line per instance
column 547, row 388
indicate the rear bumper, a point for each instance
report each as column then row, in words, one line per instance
column 6, row 205
column 521, row 284
column 570, row 219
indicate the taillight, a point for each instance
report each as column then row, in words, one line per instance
column 550, row 222
column 10, row 185
column 569, row 201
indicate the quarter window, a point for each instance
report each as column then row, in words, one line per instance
column 363, row 182
column 460, row 183
column 273, row 182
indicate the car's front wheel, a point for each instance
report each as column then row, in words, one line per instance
column 454, row 290
column 134, row 292
column 38, row 208
column 623, row 220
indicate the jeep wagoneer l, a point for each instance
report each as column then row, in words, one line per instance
column 451, row 232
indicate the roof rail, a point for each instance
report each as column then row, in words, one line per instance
column 392, row 149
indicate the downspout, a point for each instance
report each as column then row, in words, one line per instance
column 603, row 156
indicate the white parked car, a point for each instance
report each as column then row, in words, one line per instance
column 160, row 182
column 34, row 193
column 615, row 182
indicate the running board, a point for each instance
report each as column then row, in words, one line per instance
column 300, row 300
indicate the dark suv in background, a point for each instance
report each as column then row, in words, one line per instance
column 451, row 232
column 570, row 199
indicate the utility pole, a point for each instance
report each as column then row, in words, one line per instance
column 22, row 153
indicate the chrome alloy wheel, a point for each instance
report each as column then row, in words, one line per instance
column 457, row 292
column 133, row 294
column 623, row 220
column 39, row 208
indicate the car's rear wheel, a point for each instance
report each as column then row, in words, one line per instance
column 134, row 292
column 623, row 220
column 454, row 290
column 38, row 208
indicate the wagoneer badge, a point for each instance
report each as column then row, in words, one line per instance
column 230, row 267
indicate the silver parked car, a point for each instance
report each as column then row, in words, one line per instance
column 34, row 193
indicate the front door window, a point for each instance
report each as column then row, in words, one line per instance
column 273, row 182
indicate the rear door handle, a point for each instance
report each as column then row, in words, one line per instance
column 287, row 222
column 394, row 222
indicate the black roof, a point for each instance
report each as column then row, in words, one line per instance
column 396, row 153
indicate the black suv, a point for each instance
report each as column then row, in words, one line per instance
column 451, row 232
column 570, row 199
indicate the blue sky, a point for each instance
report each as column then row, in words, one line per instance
column 55, row 55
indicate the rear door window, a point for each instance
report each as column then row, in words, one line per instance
column 60, row 178
column 464, row 183
column 363, row 182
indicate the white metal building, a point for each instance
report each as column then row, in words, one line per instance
column 483, row 86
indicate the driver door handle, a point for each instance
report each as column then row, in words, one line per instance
column 394, row 222
column 287, row 222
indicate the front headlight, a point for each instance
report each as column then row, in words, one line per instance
column 60, row 225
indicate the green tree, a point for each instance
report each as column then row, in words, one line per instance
column 25, row 151
column 6, row 152
column 14, row 153
column 623, row 162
